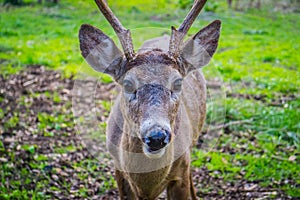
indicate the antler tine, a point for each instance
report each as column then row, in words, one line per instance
column 178, row 35
column 123, row 34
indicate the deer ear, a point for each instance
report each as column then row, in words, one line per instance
column 99, row 50
column 199, row 49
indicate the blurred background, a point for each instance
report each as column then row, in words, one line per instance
column 253, row 105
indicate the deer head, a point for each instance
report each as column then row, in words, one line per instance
column 151, row 81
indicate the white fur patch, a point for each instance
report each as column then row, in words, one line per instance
column 154, row 154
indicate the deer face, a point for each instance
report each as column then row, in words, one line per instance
column 151, row 94
column 151, row 81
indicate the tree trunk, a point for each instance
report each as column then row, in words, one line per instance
column 229, row 3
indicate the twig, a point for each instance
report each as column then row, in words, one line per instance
column 279, row 158
column 222, row 126
column 255, row 190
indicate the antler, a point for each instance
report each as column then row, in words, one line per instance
column 123, row 34
column 178, row 35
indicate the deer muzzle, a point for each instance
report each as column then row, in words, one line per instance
column 155, row 129
column 157, row 139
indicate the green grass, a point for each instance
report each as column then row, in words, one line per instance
column 258, row 55
column 252, row 51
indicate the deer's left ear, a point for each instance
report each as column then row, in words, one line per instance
column 200, row 48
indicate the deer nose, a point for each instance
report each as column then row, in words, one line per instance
column 157, row 139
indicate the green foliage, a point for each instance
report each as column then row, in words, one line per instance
column 56, row 122
column 106, row 105
column 12, row 122
column 106, row 78
column 56, row 98
column 29, row 148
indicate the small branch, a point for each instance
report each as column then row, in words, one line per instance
column 255, row 190
column 222, row 126
column 279, row 158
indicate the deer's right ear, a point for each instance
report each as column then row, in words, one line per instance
column 99, row 50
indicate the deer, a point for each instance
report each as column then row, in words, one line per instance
column 160, row 110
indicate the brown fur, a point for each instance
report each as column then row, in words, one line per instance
column 176, row 177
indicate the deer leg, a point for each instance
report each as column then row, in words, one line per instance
column 181, row 189
column 125, row 191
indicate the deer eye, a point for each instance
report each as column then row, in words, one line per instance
column 177, row 85
column 128, row 86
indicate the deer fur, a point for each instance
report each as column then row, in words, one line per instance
column 159, row 103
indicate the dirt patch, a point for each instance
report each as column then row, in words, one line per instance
column 42, row 152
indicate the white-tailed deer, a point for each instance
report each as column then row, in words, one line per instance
column 161, row 108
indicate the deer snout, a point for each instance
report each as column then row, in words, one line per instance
column 157, row 139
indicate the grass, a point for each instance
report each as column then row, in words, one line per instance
column 257, row 55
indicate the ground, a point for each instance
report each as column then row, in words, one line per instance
column 44, row 157
column 249, row 147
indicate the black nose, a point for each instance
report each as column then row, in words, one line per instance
column 157, row 139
